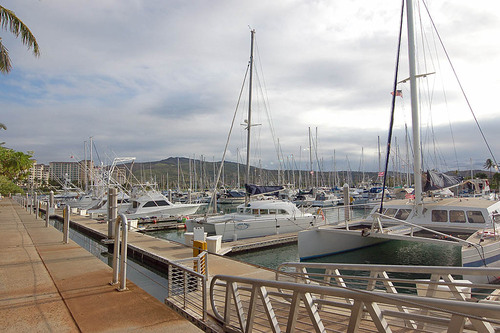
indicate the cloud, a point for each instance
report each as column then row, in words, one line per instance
column 154, row 79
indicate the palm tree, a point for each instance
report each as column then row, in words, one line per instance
column 488, row 165
column 9, row 21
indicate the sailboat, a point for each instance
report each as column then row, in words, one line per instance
column 255, row 218
column 468, row 223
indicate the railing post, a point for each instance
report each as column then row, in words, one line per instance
column 112, row 211
column 121, row 219
column 123, row 263
column 66, row 214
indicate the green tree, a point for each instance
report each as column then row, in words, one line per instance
column 7, row 186
column 488, row 165
column 481, row 175
column 496, row 180
column 15, row 165
column 9, row 21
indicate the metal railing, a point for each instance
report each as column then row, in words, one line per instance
column 121, row 268
column 246, row 305
column 430, row 281
column 187, row 286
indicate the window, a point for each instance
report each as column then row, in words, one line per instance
column 496, row 216
column 390, row 212
column 156, row 203
column 439, row 215
column 281, row 211
column 255, row 212
column 475, row 216
column 403, row 214
column 457, row 216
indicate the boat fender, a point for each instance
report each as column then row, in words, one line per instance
column 320, row 212
column 365, row 232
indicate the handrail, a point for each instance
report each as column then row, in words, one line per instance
column 120, row 220
column 242, row 295
column 461, row 241
column 435, row 281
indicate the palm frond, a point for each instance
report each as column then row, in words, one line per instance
column 5, row 64
column 9, row 21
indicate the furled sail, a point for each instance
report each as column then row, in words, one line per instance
column 256, row 189
column 437, row 180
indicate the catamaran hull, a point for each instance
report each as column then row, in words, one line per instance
column 319, row 243
column 488, row 255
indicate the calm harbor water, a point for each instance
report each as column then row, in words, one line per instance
column 393, row 252
column 389, row 253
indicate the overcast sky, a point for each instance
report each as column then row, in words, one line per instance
column 154, row 79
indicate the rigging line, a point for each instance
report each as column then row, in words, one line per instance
column 96, row 152
column 214, row 194
column 460, row 84
column 266, row 102
column 393, row 104
column 445, row 101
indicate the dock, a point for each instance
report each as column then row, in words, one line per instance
column 48, row 286
column 228, row 295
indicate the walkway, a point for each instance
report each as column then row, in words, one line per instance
column 48, row 286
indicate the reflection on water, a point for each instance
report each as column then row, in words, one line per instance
column 389, row 253
column 152, row 281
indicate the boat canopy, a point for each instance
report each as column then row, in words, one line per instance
column 437, row 180
column 256, row 189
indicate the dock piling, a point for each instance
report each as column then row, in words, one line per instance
column 66, row 214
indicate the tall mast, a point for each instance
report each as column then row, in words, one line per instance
column 415, row 117
column 311, row 173
column 249, row 120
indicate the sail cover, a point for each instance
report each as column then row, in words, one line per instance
column 437, row 180
column 256, row 189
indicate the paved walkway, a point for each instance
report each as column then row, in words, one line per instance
column 48, row 286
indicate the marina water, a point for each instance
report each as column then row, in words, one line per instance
column 389, row 253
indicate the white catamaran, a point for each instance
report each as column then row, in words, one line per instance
column 469, row 223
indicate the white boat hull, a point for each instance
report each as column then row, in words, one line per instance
column 486, row 255
column 231, row 229
column 318, row 243
column 172, row 210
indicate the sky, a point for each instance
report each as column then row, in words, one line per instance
column 154, row 79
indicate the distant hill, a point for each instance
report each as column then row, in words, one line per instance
column 199, row 175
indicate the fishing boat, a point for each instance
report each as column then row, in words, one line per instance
column 466, row 222
column 150, row 203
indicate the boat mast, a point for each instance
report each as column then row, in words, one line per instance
column 417, row 159
column 249, row 120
